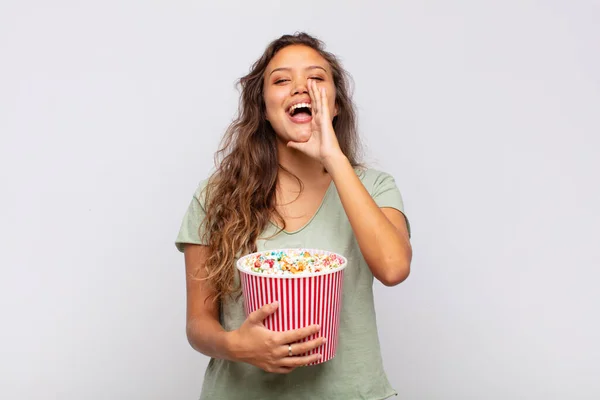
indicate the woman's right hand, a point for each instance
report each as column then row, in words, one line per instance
column 254, row 344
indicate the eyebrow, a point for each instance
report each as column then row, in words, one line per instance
column 289, row 69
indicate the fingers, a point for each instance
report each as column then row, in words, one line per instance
column 297, row 334
column 318, row 97
column 301, row 347
column 294, row 362
column 315, row 97
column 258, row 316
column 324, row 108
column 281, row 360
column 281, row 370
column 288, row 364
column 311, row 94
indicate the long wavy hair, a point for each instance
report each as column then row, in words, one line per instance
column 240, row 194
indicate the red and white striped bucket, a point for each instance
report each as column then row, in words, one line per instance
column 304, row 300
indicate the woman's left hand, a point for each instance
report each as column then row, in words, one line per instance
column 322, row 144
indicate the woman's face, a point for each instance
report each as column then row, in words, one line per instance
column 286, row 85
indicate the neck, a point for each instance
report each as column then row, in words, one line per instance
column 308, row 170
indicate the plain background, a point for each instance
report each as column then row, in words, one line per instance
column 487, row 113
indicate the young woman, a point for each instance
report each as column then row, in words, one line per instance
column 288, row 176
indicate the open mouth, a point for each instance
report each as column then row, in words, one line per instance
column 301, row 110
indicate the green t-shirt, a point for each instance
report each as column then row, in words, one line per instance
column 356, row 371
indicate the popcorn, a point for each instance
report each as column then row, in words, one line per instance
column 291, row 262
column 308, row 285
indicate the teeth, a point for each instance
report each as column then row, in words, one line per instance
column 299, row 105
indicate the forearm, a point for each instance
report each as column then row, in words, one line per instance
column 386, row 251
column 206, row 335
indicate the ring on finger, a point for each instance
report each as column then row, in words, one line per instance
column 290, row 350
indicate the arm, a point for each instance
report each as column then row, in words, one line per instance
column 381, row 233
column 252, row 342
column 204, row 331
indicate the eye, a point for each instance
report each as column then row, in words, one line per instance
column 316, row 78
column 280, row 81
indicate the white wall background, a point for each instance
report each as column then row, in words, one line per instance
column 487, row 113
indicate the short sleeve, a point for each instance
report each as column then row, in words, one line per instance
column 191, row 229
column 386, row 194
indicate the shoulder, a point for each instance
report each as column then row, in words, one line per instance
column 201, row 188
column 373, row 178
column 201, row 192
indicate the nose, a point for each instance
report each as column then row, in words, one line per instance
column 299, row 88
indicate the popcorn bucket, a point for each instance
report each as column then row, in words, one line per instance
column 305, row 298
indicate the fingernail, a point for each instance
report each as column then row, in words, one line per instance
column 324, row 340
column 275, row 303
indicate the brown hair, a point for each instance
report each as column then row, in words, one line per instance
column 240, row 194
